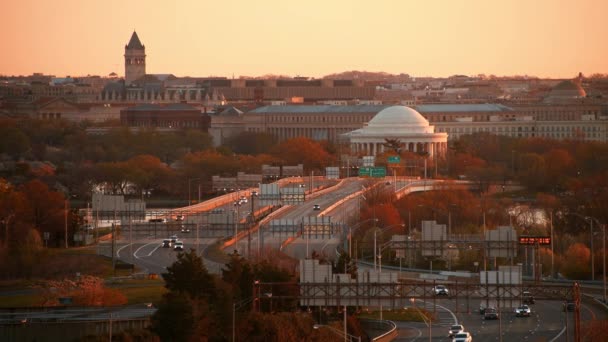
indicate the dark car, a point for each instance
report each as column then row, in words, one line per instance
column 316, row 207
column 490, row 313
column 527, row 298
column 569, row 305
column 166, row 243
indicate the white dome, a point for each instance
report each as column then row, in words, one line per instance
column 398, row 115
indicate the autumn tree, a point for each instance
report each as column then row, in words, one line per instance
column 576, row 265
column 146, row 173
column 303, row 151
column 46, row 209
column 84, row 290
column 251, row 143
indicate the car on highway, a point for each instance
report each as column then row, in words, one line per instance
column 527, row 298
column 166, row 243
column 569, row 305
column 316, row 207
column 178, row 246
column 173, row 238
column 490, row 313
column 463, row 337
column 523, row 311
column 185, row 229
column 179, row 218
column 157, row 220
column 455, row 329
column 440, row 290
column 243, row 199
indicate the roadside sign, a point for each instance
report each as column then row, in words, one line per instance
column 376, row 171
column 394, row 159
column 533, row 240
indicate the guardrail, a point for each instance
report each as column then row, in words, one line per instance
column 389, row 328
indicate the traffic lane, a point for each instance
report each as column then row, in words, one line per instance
column 298, row 248
column 546, row 321
column 151, row 257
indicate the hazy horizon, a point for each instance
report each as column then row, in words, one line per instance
column 546, row 39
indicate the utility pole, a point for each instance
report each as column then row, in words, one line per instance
column 65, row 204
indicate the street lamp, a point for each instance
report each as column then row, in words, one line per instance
column 199, row 190
column 236, row 306
column 351, row 229
column 424, row 318
column 345, row 334
column 435, row 210
column 590, row 219
column 375, row 243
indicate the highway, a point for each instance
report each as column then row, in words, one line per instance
column 547, row 322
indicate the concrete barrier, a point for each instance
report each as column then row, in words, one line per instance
column 388, row 329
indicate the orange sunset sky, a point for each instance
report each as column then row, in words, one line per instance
column 546, row 38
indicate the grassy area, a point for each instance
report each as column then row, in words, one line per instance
column 215, row 253
column 19, row 301
column 407, row 314
column 147, row 294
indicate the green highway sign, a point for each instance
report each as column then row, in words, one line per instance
column 394, row 159
column 374, row 171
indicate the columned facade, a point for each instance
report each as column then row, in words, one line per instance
column 399, row 123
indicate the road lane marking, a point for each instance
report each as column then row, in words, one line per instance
column 118, row 251
column 135, row 253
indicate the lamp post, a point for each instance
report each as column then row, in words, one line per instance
column 591, row 219
column 424, row 318
column 344, row 333
column 351, row 229
column 449, row 212
column 199, row 190
column 237, row 219
column 379, row 256
column 236, row 306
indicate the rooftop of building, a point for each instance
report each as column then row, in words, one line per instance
column 304, row 109
column 158, row 107
column 457, row 108
column 134, row 42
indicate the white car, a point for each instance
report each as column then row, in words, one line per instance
column 178, row 246
column 243, row 199
column 463, row 337
column 523, row 311
column 455, row 329
column 440, row 290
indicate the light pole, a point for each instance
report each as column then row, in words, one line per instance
column 449, row 212
column 424, row 318
column 199, row 190
column 379, row 256
column 604, row 259
column 236, row 306
column 351, row 229
column 591, row 219
column 345, row 334
column 237, row 219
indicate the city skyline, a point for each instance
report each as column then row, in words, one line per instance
column 548, row 39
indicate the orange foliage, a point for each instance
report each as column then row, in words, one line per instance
column 303, row 151
column 85, row 291
column 576, row 265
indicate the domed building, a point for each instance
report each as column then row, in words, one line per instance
column 566, row 91
column 400, row 123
